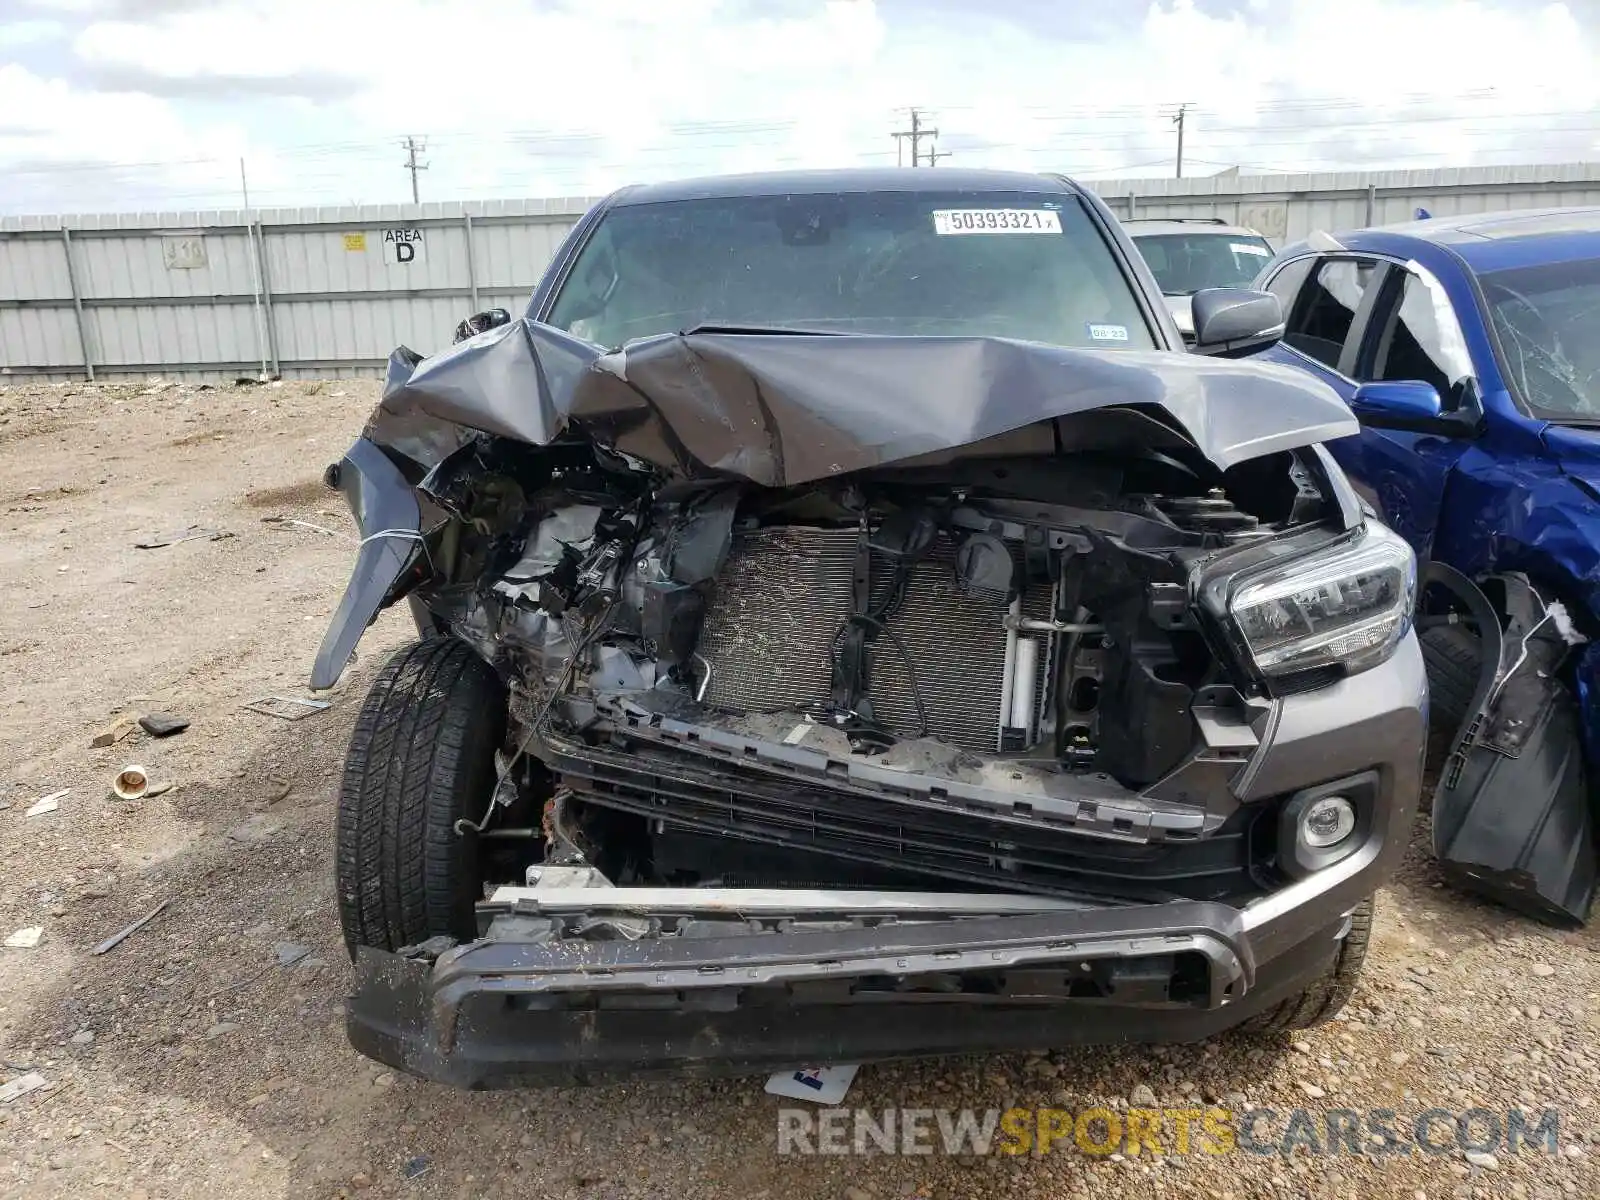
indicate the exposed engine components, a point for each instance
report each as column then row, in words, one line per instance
column 985, row 569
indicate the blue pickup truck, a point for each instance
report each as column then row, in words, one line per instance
column 1469, row 349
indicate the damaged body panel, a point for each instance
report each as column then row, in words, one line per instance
column 866, row 694
column 1493, row 479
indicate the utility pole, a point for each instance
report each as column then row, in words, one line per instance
column 935, row 155
column 1178, row 121
column 413, row 145
column 916, row 133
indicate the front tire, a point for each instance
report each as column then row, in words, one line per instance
column 421, row 758
column 1323, row 1000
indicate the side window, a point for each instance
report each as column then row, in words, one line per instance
column 1422, row 341
column 1285, row 285
column 1325, row 309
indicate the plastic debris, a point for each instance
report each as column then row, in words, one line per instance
column 289, row 708
column 21, row 1086
column 162, row 725
column 47, row 804
column 131, row 783
column 26, row 938
column 123, row 934
column 821, row 1085
column 418, row 1166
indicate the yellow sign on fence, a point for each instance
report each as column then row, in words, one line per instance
column 355, row 241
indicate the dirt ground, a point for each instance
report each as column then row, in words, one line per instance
column 190, row 1061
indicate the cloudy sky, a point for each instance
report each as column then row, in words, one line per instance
column 143, row 104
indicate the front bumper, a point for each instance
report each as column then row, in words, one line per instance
column 585, row 985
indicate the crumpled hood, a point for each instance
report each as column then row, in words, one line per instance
column 783, row 409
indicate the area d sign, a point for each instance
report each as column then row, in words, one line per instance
column 402, row 245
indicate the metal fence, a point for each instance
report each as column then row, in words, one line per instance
column 1285, row 208
column 311, row 293
column 301, row 293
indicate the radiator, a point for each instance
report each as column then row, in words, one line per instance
column 783, row 595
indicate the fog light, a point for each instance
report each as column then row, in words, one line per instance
column 1327, row 822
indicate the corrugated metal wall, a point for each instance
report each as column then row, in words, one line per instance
column 323, row 292
column 1286, row 208
column 305, row 293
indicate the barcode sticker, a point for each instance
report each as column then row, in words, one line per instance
column 948, row 221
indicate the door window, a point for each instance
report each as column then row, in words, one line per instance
column 1325, row 309
column 1423, row 342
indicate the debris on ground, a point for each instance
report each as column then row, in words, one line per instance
column 19, row 1087
column 158, row 789
column 290, row 708
column 159, row 724
column 46, row 804
column 290, row 953
column 26, row 938
column 821, row 1085
column 333, row 533
column 112, row 733
column 131, row 783
column 418, row 1166
column 127, row 931
column 190, row 534
column 254, row 829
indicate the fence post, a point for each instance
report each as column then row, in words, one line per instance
column 77, row 305
column 1133, row 205
column 1372, row 202
column 266, row 296
column 472, row 266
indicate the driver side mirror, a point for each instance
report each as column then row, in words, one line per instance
column 478, row 322
column 1398, row 404
column 1232, row 322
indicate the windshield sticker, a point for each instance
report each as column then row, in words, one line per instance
column 1108, row 333
column 1247, row 248
column 996, row 220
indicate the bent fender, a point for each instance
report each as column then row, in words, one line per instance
column 383, row 503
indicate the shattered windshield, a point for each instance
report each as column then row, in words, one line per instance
column 1030, row 266
column 1547, row 319
column 1185, row 263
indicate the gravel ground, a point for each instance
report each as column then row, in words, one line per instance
column 189, row 1061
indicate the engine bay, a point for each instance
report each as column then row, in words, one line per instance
column 1030, row 608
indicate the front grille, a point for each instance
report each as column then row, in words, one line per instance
column 782, row 597
column 634, row 776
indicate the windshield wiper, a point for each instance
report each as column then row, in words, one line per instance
column 759, row 329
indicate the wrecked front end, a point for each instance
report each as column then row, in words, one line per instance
column 871, row 697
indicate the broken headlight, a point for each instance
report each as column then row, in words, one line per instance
column 1347, row 607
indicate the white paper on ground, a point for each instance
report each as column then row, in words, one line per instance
column 26, row 938
column 21, row 1086
column 820, row 1085
column 47, row 804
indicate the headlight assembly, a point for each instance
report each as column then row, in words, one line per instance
column 1348, row 606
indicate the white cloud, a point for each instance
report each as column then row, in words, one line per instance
column 576, row 97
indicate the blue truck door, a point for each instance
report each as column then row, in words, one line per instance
column 1328, row 301
column 1413, row 334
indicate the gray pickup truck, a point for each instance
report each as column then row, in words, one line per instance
column 852, row 627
